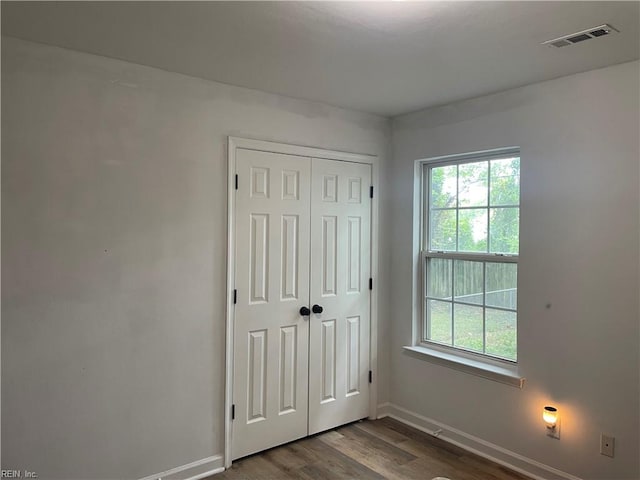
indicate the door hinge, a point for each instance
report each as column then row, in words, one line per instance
column 233, row 412
column 236, row 181
column 235, row 296
column 370, row 376
column 371, row 191
column 371, row 284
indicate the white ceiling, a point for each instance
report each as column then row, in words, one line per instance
column 381, row 57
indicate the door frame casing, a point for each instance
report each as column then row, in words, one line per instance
column 235, row 143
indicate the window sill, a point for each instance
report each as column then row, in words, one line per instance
column 503, row 374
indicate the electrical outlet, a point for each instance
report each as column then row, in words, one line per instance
column 607, row 443
column 554, row 432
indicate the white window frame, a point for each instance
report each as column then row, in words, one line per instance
column 486, row 365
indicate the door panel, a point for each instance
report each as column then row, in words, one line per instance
column 302, row 238
column 340, row 271
column 328, row 361
column 271, row 339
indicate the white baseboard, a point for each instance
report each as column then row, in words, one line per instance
column 383, row 410
column 488, row 450
column 192, row 471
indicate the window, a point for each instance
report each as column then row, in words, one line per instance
column 470, row 244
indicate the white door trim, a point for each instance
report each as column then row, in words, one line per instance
column 233, row 144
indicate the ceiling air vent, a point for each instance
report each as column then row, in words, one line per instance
column 578, row 37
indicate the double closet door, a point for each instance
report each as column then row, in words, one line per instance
column 302, row 318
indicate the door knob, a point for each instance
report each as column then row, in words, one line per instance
column 316, row 309
column 304, row 311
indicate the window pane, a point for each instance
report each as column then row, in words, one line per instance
column 472, row 184
column 439, row 278
column 468, row 281
column 472, row 213
column 439, row 321
column 467, row 329
column 502, row 285
column 501, row 334
column 505, row 182
column 443, row 186
column 472, row 230
column 504, row 230
column 443, row 230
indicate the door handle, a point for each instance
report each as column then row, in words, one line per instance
column 304, row 311
column 317, row 308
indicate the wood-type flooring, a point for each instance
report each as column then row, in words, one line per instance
column 380, row 449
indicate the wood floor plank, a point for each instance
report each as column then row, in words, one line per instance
column 254, row 467
column 490, row 470
column 422, row 437
column 428, row 468
column 339, row 469
column 421, row 445
column 379, row 456
column 377, row 450
column 376, row 445
column 286, row 460
column 378, row 428
column 430, row 462
column 335, row 464
column 451, row 456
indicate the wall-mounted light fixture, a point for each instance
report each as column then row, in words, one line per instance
column 552, row 420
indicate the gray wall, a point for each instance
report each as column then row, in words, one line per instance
column 579, row 252
column 114, row 249
column 114, row 241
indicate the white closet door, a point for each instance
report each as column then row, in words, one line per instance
column 340, row 271
column 271, row 338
